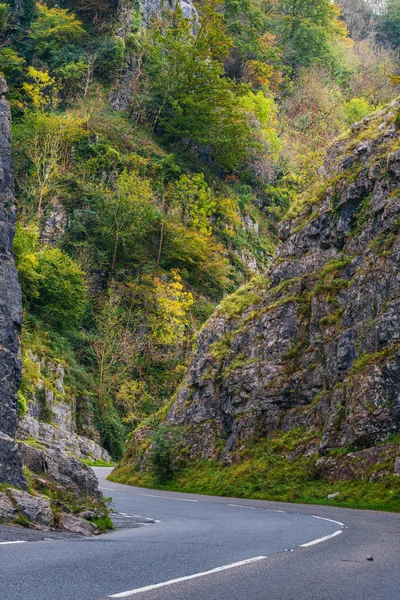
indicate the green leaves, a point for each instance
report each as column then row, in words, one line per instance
column 187, row 98
column 54, row 29
column 53, row 284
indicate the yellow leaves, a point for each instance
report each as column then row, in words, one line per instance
column 172, row 303
column 262, row 113
column 339, row 23
column 192, row 198
column 257, row 72
column 42, row 91
column 54, row 28
column 394, row 79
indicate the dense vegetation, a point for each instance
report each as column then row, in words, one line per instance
column 134, row 223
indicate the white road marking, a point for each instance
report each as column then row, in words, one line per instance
column 121, row 514
column 243, row 506
column 323, row 539
column 108, row 489
column 16, row 542
column 148, row 588
column 325, row 519
column 167, row 497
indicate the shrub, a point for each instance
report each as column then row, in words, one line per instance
column 62, row 290
column 161, row 455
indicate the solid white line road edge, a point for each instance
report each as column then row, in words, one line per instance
column 16, row 542
column 325, row 519
column 148, row 588
column 323, row 539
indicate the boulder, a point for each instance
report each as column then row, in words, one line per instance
column 35, row 508
column 78, row 525
column 60, row 468
column 7, row 510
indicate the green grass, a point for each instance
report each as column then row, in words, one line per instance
column 22, row 520
column 97, row 463
column 368, row 358
column 265, row 472
column 103, row 523
column 251, row 293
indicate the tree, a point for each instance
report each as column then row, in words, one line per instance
column 312, row 116
column 370, row 64
column 169, row 316
column 54, row 30
column 389, row 29
column 62, row 299
column 305, row 29
column 360, row 17
column 129, row 216
column 53, row 285
column 187, row 98
column 41, row 89
column 114, row 349
column 44, row 141
column 191, row 198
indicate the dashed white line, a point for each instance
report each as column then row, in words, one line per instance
column 168, row 497
column 148, row 588
column 15, row 542
column 243, row 506
column 323, row 539
column 108, row 489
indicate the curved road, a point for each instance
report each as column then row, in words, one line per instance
column 172, row 546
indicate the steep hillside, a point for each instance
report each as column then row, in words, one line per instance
column 294, row 385
column 53, row 485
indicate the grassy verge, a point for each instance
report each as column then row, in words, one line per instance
column 97, row 463
column 263, row 473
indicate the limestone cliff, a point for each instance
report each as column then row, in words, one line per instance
column 315, row 345
column 52, row 416
column 10, row 310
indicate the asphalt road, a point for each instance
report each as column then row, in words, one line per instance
column 217, row 549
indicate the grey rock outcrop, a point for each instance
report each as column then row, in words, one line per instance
column 78, row 525
column 47, row 404
column 61, row 469
column 10, row 310
column 35, row 508
column 7, row 510
column 317, row 345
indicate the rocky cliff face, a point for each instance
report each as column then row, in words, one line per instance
column 316, row 345
column 51, row 416
column 10, row 310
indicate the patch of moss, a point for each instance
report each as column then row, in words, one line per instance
column 368, row 358
column 332, row 319
column 233, row 306
column 218, row 350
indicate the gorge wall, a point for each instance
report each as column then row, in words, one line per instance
column 10, row 310
column 316, row 345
